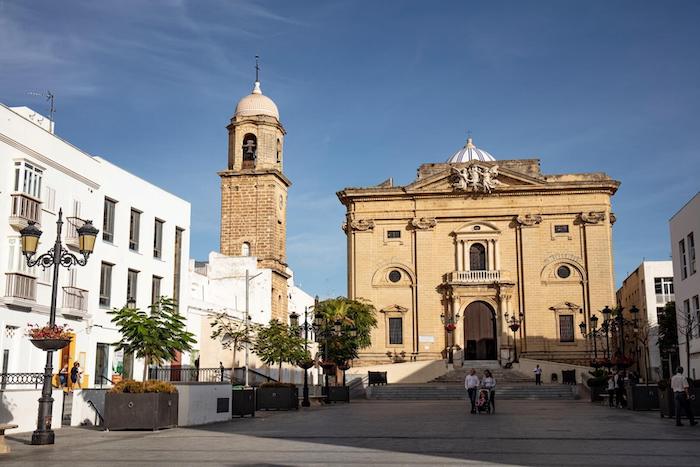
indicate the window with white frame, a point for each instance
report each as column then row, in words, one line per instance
column 158, row 239
column 155, row 289
column 684, row 260
column 28, row 178
column 49, row 199
column 691, row 253
column 687, row 318
column 105, row 285
column 16, row 261
column 110, row 207
column 131, row 286
column 696, row 313
column 134, row 228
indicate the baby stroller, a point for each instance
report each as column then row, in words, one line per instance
column 482, row 402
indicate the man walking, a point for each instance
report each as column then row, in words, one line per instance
column 538, row 375
column 680, row 386
column 471, row 383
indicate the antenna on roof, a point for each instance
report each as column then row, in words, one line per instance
column 51, row 99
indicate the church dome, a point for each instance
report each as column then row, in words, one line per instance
column 470, row 153
column 256, row 104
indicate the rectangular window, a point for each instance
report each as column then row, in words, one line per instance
column 134, row 225
column 102, row 364
column 155, row 289
column 691, row 253
column 566, row 328
column 108, row 220
column 158, row 239
column 105, row 285
column 696, row 313
column 560, row 229
column 393, row 234
column 686, row 318
column 131, row 283
column 49, row 199
column 395, row 331
column 177, row 264
column 684, row 260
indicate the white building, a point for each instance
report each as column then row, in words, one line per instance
column 685, row 228
column 218, row 286
column 144, row 236
column 649, row 288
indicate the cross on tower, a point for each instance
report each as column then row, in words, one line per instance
column 257, row 68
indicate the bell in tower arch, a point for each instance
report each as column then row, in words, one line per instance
column 250, row 150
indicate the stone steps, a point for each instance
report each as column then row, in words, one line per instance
column 502, row 375
column 435, row 391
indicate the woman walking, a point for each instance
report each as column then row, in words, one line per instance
column 489, row 382
column 75, row 375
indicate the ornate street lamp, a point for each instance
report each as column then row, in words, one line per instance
column 514, row 324
column 592, row 334
column 450, row 323
column 55, row 257
column 294, row 319
column 306, row 402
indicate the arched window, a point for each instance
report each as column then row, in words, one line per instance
column 245, row 249
column 250, row 150
column 279, row 151
column 477, row 257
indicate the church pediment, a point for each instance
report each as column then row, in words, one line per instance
column 473, row 177
column 476, row 229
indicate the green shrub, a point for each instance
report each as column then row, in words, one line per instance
column 138, row 387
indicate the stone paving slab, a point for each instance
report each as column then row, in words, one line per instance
column 388, row 433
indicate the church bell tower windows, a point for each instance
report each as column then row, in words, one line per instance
column 250, row 150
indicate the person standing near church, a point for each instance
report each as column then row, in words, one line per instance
column 471, row 383
column 538, row 375
column 680, row 387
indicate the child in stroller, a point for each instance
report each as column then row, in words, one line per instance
column 483, row 404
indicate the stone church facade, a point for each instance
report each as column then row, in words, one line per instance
column 451, row 258
column 254, row 193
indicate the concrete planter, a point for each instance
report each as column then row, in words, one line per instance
column 145, row 411
column 667, row 403
column 642, row 397
column 277, row 398
column 243, row 402
column 339, row 394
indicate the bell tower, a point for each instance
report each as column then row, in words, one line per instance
column 254, row 191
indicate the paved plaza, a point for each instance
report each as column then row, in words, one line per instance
column 388, row 433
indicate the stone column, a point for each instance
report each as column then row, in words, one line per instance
column 465, row 259
column 460, row 255
column 496, row 253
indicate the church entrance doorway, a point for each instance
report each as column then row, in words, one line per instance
column 479, row 332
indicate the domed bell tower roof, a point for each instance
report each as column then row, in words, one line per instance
column 255, row 103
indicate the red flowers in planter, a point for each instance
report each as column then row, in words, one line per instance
column 450, row 327
column 34, row 331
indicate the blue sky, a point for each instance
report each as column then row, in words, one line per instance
column 372, row 89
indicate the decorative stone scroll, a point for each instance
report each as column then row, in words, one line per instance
column 361, row 225
column 474, row 178
column 424, row 223
column 528, row 220
column 593, row 217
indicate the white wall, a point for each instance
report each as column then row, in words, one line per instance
column 71, row 175
column 20, row 407
column 197, row 403
column 685, row 221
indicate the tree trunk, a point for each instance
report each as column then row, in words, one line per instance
column 233, row 363
column 279, row 371
column 145, row 368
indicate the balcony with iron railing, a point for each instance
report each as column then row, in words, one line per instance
column 75, row 301
column 24, row 208
column 19, row 285
column 72, row 226
column 475, row 277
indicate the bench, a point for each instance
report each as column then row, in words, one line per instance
column 4, row 448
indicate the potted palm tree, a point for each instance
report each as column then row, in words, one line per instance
column 155, row 336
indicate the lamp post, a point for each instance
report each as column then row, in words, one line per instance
column 607, row 326
column 306, row 402
column 450, row 324
column 621, row 322
column 55, row 257
column 326, row 330
column 593, row 334
column 514, row 324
